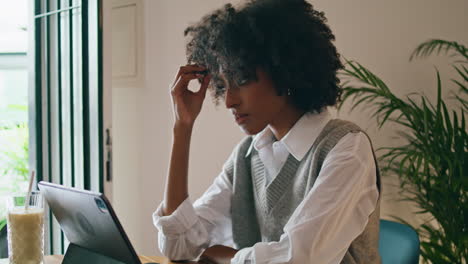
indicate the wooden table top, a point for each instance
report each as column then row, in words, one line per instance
column 57, row 259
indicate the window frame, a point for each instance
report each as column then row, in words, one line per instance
column 46, row 99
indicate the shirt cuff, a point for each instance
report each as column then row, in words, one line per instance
column 244, row 256
column 181, row 220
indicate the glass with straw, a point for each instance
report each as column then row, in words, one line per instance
column 25, row 224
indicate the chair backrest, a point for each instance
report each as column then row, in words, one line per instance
column 398, row 243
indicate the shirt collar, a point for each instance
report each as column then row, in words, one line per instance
column 299, row 138
column 260, row 140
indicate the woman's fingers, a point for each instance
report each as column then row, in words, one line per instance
column 204, row 85
column 189, row 68
column 184, row 79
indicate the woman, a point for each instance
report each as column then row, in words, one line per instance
column 301, row 187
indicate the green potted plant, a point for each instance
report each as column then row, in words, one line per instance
column 432, row 165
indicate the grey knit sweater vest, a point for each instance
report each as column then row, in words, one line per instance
column 259, row 212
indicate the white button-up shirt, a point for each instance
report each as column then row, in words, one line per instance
column 331, row 216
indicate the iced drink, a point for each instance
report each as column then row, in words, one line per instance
column 25, row 235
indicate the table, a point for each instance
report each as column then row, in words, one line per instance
column 57, row 259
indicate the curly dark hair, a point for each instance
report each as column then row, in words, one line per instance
column 286, row 38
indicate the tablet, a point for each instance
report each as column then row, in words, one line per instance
column 88, row 221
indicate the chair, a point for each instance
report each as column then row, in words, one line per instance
column 398, row 243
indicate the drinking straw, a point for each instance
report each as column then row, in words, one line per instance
column 28, row 197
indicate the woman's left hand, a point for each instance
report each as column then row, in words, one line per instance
column 217, row 255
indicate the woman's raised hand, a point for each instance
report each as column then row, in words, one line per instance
column 187, row 104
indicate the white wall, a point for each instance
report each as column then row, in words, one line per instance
column 378, row 34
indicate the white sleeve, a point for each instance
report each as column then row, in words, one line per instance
column 190, row 229
column 333, row 214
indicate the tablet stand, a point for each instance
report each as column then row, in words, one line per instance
column 79, row 255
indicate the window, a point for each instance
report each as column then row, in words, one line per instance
column 13, row 124
column 66, row 113
column 13, row 101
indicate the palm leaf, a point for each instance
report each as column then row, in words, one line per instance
column 427, row 48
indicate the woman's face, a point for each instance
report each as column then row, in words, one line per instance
column 254, row 104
